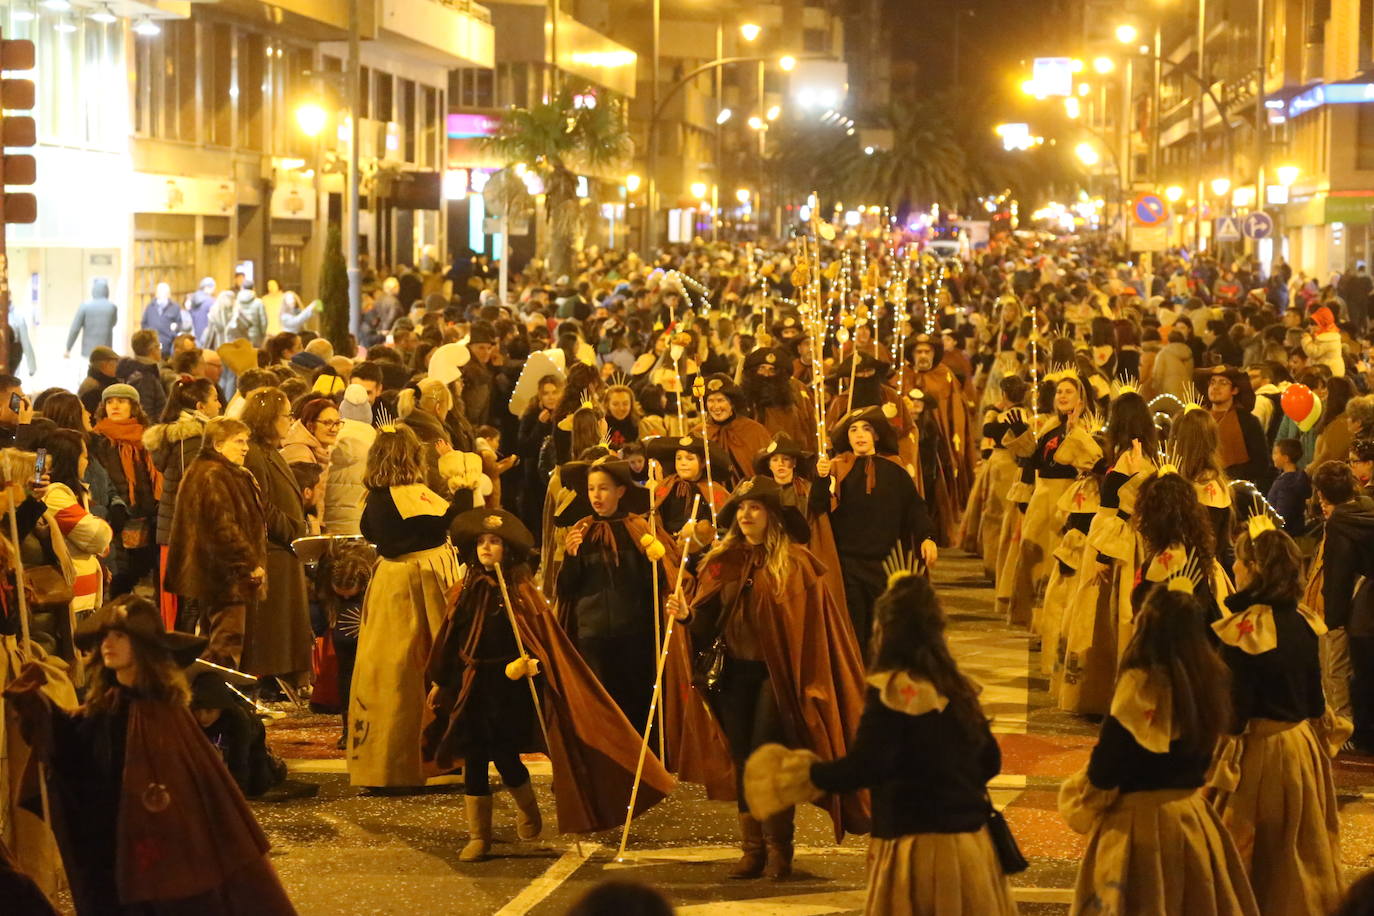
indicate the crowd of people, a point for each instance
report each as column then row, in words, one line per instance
column 675, row 521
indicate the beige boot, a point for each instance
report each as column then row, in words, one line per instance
column 778, row 832
column 479, row 828
column 528, row 823
column 750, row 864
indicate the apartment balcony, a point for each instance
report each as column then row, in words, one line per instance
column 452, row 33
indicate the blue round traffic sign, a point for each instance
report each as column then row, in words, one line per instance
column 1257, row 225
column 1149, row 210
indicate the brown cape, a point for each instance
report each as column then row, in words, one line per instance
column 592, row 746
column 743, row 438
column 813, row 663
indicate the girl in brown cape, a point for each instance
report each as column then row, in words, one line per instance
column 484, row 713
column 792, row 672
column 147, row 816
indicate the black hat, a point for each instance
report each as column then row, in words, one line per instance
column 936, row 345
column 766, row 490
column 1245, row 393
column 209, row 691
column 474, row 523
column 779, row 359
column 139, row 618
column 573, row 475
column 789, row 327
column 664, row 449
column 783, row 444
column 481, row 332
column 878, row 417
column 867, row 361
column 719, row 383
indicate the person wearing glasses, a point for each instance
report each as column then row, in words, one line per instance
column 311, row 438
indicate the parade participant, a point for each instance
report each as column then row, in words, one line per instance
column 925, row 750
column 403, row 609
column 871, row 390
column 483, row 713
column 1063, row 449
column 932, row 466
column 1195, row 451
column 622, row 415
column 150, row 821
column 1275, row 791
column 1175, row 531
column 729, row 428
column 873, row 507
column 588, row 431
column 1244, row 449
column 219, row 574
column 673, row 496
column 775, row 399
column 1092, row 631
column 1155, row 844
column 981, row 528
column 926, row 371
column 795, row 471
column 605, row 586
column 759, row 597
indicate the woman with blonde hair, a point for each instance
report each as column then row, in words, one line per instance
column 402, row 611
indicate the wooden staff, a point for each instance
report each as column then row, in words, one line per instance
column 520, row 647
column 653, row 698
column 699, row 389
column 654, row 561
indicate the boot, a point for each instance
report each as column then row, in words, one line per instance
column 479, row 828
column 750, row 864
column 778, row 831
column 528, row 823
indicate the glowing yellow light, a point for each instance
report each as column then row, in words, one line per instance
column 743, row 195
column 1084, row 89
column 1076, row 66
column 1087, row 154
column 1103, row 64
column 1126, row 34
column 773, row 113
column 610, row 59
column 1173, row 193
column 1287, row 174
column 756, row 122
column 749, row 31
column 632, row 182
column 787, row 62
column 1071, row 107
column 311, row 118
column 1220, row 186
column 699, row 190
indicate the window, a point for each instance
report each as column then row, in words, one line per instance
column 383, row 108
column 219, row 66
column 1364, row 138
column 431, row 132
column 251, row 83
column 408, row 120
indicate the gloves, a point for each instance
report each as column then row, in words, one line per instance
column 524, row 666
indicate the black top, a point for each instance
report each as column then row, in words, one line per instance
column 868, row 525
column 1284, row 683
column 927, row 774
column 394, row 536
column 1119, row 762
column 610, row 589
column 1042, row 459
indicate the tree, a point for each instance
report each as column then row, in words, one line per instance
column 334, row 292
column 579, row 128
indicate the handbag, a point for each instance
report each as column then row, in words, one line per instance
column 708, row 668
column 1009, row 854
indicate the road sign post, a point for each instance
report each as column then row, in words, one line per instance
column 1257, row 225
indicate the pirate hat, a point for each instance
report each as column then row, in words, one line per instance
column 139, row 618
column 788, row 328
column 934, row 343
column 784, row 444
column 867, row 361
column 573, row 475
column 720, row 383
column 879, row 417
column 664, row 449
column 779, row 359
column 474, row 523
column 766, row 491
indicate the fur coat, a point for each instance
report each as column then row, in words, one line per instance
column 218, row 534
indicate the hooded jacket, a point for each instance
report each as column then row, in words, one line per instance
column 1173, row 369
column 1348, row 554
column 1325, row 348
column 173, row 446
column 94, row 320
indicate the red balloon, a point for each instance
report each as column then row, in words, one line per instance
column 1297, row 402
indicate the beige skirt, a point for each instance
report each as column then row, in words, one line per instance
column 1162, row 853
column 402, row 611
column 1039, row 536
column 937, row 874
column 1284, row 820
column 1085, row 676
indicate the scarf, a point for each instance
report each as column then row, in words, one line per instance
column 127, row 436
column 1233, row 450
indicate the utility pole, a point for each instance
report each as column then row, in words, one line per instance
column 650, row 235
column 1261, row 114
column 355, row 94
column 1201, row 121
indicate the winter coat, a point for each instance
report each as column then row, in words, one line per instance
column 95, row 320
column 218, row 535
column 294, row 318
column 1173, row 370
column 173, row 447
column 168, row 319
column 198, row 306
column 277, row 636
column 344, row 491
column 146, row 377
column 301, row 446
column 1325, row 348
column 92, row 386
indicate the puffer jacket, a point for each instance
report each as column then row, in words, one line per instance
column 173, row 447
column 1172, row 371
column 1326, row 348
column 344, row 491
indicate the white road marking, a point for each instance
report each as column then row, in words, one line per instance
column 795, row 905
column 540, row 888
column 639, row 858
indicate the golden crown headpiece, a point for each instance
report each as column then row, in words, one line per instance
column 902, row 562
column 1188, row 577
column 1125, row 384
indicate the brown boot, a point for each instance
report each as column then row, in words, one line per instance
column 528, row 823
column 750, row 864
column 778, row 831
column 479, row 828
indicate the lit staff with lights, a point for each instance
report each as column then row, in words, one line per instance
column 484, row 714
column 873, row 506
column 777, row 663
column 952, row 413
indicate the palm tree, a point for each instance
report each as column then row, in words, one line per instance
column 556, row 138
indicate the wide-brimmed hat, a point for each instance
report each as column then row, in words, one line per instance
column 784, row 444
column 573, row 476
column 788, row 328
column 139, row 618
column 867, row 361
column 664, row 449
column 878, row 416
column 779, row 359
column 1245, row 395
column 765, row 490
column 934, row 343
column 474, row 523
column 719, row 383
column 238, row 356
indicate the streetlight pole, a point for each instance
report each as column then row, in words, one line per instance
column 1201, row 120
column 1261, row 114
column 355, row 292
column 649, row 236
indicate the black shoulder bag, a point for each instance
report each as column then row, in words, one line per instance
column 708, row 668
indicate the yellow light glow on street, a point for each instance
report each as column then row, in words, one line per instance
column 787, row 62
column 1173, row 193
column 743, row 195
column 1220, row 186
column 1087, row 154
column 1126, row 34
column 1071, row 108
column 749, row 31
column 311, row 118
column 755, row 122
column 1084, row 89
column 773, row 113
column 632, row 182
column 1103, row 64
column 699, row 190
column 1287, row 174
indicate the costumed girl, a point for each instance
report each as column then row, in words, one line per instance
column 925, row 750
column 759, row 599
column 1195, row 449
column 1174, row 530
column 1155, row 844
column 1275, row 792
column 988, row 506
column 673, row 497
column 148, row 818
column 484, row 712
column 1085, row 670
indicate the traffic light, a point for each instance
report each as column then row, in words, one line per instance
column 16, row 131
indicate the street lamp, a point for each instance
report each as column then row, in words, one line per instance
column 632, row 182
column 698, row 190
column 311, row 119
column 1220, row 186
column 1173, row 193
column 1071, row 108
column 773, row 112
column 749, row 31
column 1103, row 65
column 1087, row 154
column 755, row 122
column 723, row 115
column 1287, row 174
column 1126, row 34
column 787, row 62
column 742, row 195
